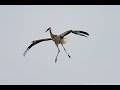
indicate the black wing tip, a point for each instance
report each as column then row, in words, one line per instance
column 87, row 34
column 25, row 52
column 78, row 31
column 84, row 33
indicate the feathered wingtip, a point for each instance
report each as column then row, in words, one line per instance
column 25, row 52
column 82, row 33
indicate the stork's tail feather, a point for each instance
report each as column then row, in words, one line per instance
column 64, row 41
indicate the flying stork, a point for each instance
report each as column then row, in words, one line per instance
column 58, row 39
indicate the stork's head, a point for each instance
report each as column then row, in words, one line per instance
column 48, row 29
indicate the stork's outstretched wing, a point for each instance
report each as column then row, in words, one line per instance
column 82, row 33
column 34, row 43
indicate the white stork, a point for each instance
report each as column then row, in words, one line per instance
column 58, row 39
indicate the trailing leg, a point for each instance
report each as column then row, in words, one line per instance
column 57, row 53
column 66, row 51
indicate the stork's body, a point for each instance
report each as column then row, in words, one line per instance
column 58, row 39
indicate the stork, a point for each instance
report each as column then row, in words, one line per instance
column 58, row 39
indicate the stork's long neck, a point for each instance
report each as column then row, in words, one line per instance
column 51, row 34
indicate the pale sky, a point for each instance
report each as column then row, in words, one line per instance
column 94, row 60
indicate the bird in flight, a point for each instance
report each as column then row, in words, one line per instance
column 58, row 39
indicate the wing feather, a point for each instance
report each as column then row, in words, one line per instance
column 34, row 43
column 65, row 33
column 81, row 33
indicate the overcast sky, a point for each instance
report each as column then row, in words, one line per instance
column 94, row 60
